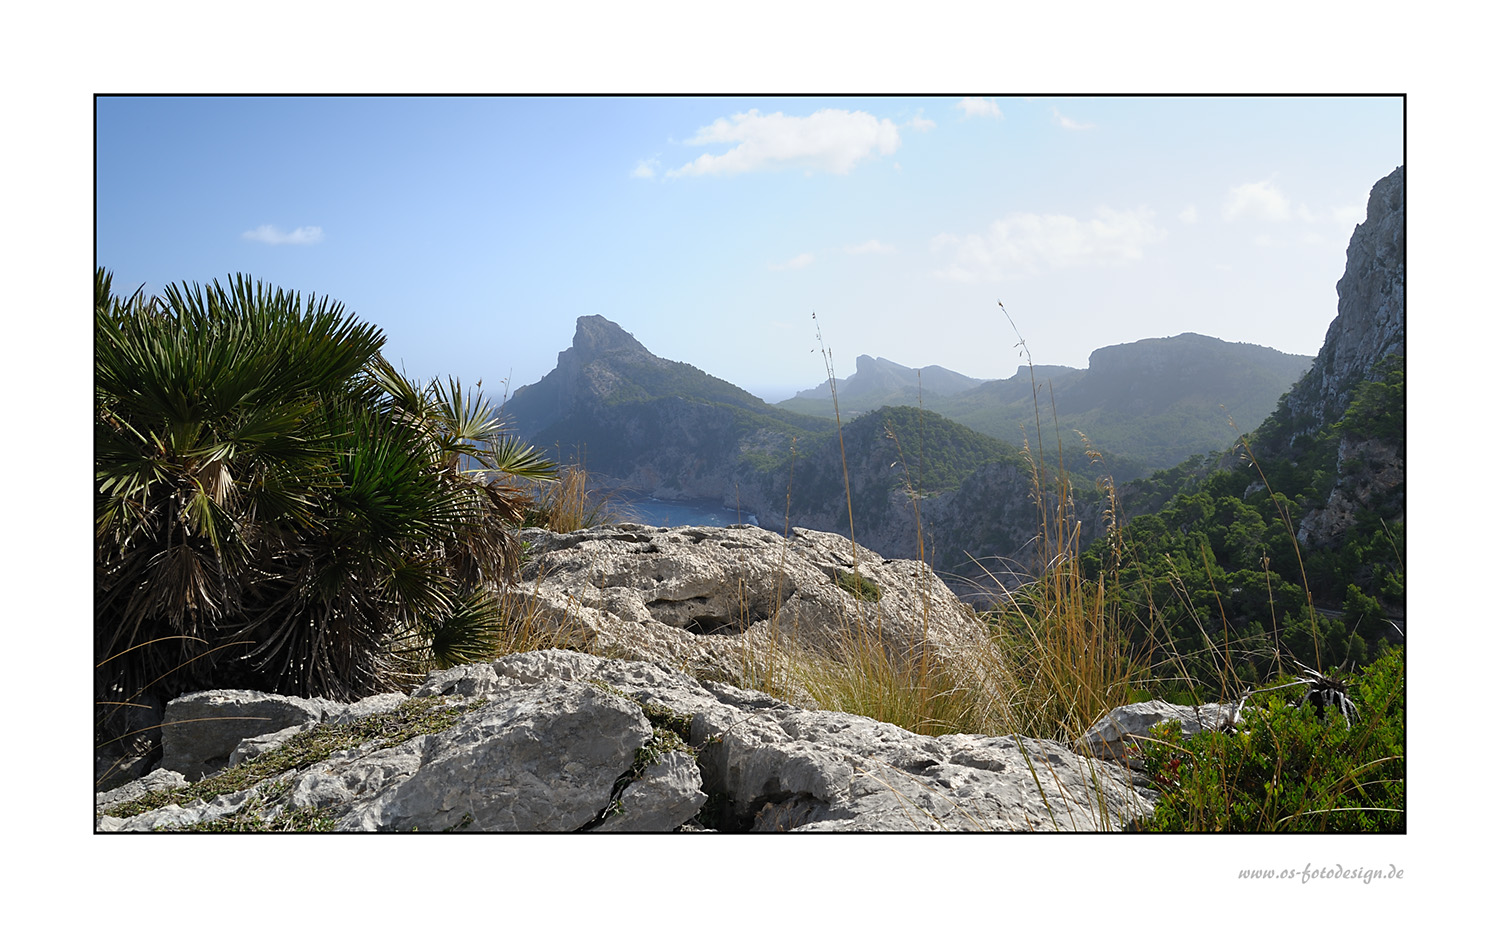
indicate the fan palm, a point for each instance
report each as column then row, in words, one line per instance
column 275, row 505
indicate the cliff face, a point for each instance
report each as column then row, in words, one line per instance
column 1371, row 321
column 1370, row 327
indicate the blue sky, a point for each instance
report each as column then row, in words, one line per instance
column 475, row 230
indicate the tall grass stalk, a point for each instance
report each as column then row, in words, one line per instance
column 1061, row 637
column 567, row 504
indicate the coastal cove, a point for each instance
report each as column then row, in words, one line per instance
column 668, row 513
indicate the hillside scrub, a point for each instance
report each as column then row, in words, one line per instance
column 320, row 536
column 1220, row 580
column 1292, row 766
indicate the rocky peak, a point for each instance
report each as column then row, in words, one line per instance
column 586, row 371
column 597, row 337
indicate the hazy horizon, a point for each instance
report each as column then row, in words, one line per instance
column 475, row 230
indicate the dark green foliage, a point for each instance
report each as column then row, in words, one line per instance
column 1378, row 407
column 278, row 509
column 1287, row 769
column 938, row 453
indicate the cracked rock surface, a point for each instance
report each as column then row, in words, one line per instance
column 562, row 741
column 699, row 598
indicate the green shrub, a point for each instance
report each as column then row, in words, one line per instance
column 861, row 588
column 1287, row 769
column 277, row 508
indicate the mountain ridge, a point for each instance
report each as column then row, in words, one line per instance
column 1150, row 403
column 650, row 426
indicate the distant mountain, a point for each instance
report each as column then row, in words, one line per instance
column 878, row 382
column 607, row 367
column 1147, row 405
column 652, row 425
column 664, row 428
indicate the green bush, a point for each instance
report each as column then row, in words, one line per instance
column 277, row 508
column 1288, row 769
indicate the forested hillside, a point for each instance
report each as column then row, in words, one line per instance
column 1291, row 545
column 1145, row 405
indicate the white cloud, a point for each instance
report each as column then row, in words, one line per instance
column 801, row 261
column 873, row 246
column 1067, row 123
column 1260, row 200
column 302, row 235
column 1189, row 215
column 646, row 168
column 980, row 106
column 1024, row 244
column 828, row 140
column 921, row 123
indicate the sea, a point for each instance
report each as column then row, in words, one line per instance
column 679, row 512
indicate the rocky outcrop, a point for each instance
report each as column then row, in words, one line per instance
column 701, row 599
column 1369, row 329
column 563, row 741
column 1371, row 320
column 1371, row 477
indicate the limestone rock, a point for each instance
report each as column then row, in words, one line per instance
column 667, row 794
column 543, row 759
column 700, row 599
column 1111, row 736
column 1369, row 471
column 201, row 730
column 553, row 741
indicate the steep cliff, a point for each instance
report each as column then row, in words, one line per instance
column 1371, row 320
column 1360, row 367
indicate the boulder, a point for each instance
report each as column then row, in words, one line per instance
column 201, row 730
column 544, row 759
column 1113, row 734
column 701, row 599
